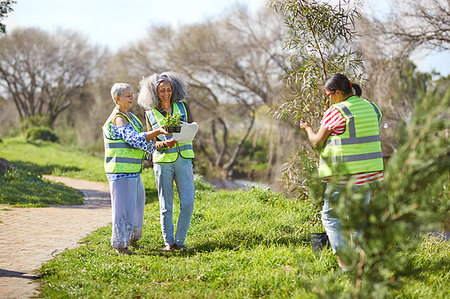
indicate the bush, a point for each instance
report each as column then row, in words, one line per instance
column 35, row 121
column 41, row 133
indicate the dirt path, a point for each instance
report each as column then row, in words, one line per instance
column 32, row 236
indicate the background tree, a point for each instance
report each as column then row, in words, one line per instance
column 388, row 43
column 44, row 73
column 5, row 8
column 416, row 24
column 234, row 67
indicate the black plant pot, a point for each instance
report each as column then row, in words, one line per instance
column 173, row 129
column 319, row 241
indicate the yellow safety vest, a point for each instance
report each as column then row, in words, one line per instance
column 168, row 155
column 358, row 149
column 120, row 157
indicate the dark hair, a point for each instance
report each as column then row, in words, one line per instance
column 341, row 82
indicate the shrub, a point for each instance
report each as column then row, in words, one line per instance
column 41, row 133
column 35, row 121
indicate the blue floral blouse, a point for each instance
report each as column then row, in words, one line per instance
column 133, row 138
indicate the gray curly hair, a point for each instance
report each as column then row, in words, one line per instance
column 148, row 89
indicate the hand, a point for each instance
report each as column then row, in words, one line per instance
column 162, row 131
column 170, row 143
column 305, row 126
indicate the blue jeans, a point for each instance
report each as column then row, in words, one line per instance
column 330, row 220
column 128, row 203
column 182, row 172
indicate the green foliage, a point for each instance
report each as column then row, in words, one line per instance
column 27, row 189
column 318, row 43
column 172, row 120
column 252, row 157
column 35, row 121
column 41, row 133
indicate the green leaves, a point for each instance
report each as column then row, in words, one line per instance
column 319, row 43
column 172, row 120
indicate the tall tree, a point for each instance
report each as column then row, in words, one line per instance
column 44, row 73
column 414, row 24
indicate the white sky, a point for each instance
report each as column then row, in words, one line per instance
column 114, row 23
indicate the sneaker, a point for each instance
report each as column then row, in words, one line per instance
column 179, row 247
column 124, row 251
column 168, row 248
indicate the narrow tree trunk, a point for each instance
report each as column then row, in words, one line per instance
column 230, row 164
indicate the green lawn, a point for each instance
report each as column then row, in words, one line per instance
column 243, row 244
column 26, row 187
column 52, row 158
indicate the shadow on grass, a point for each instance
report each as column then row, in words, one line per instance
column 209, row 246
column 147, row 249
column 42, row 169
column 151, row 195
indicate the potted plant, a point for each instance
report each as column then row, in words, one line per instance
column 172, row 123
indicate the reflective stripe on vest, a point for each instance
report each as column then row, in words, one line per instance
column 358, row 149
column 120, row 157
column 168, row 155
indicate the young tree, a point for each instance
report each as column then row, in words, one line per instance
column 319, row 42
column 44, row 73
column 413, row 199
column 414, row 196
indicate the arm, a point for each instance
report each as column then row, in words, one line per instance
column 318, row 138
column 123, row 130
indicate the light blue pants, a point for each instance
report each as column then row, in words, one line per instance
column 182, row 172
column 330, row 220
column 127, row 202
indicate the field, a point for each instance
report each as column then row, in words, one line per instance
column 243, row 244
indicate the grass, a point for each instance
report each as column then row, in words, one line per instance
column 26, row 189
column 52, row 158
column 243, row 244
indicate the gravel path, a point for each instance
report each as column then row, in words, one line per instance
column 30, row 237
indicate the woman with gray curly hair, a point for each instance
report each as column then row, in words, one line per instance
column 161, row 95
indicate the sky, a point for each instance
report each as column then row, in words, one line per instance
column 115, row 23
